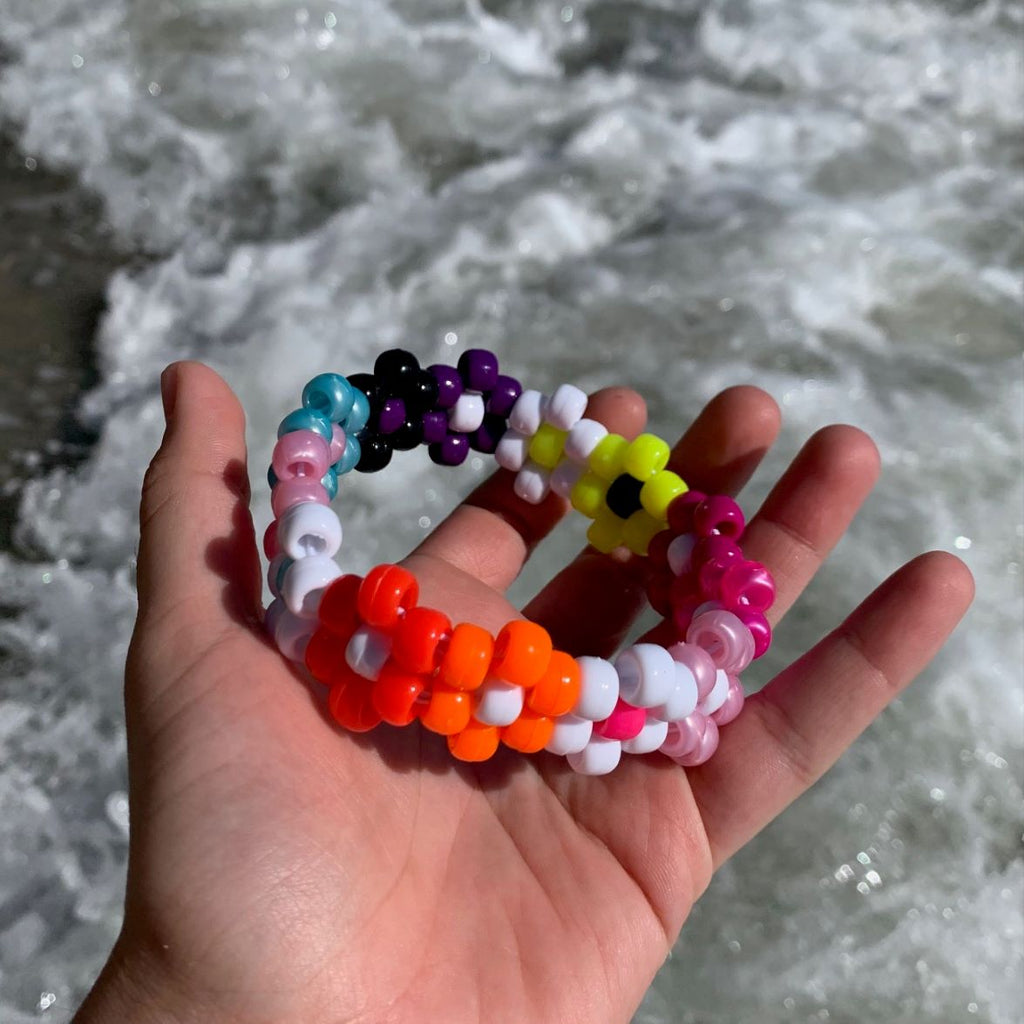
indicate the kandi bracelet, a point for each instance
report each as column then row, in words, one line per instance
column 386, row 658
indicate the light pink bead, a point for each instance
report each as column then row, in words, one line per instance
column 270, row 544
column 724, row 636
column 295, row 491
column 302, row 453
column 338, row 440
column 747, row 585
column 733, row 703
column 684, row 735
column 699, row 662
column 759, row 629
column 707, row 746
column 717, row 514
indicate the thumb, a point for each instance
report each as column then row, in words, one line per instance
column 198, row 567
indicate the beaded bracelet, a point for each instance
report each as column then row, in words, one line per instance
column 386, row 658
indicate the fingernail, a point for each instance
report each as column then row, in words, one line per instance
column 169, row 389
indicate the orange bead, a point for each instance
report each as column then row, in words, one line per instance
column 529, row 733
column 559, row 688
column 468, row 657
column 337, row 610
column 449, row 710
column 418, row 636
column 325, row 656
column 396, row 695
column 477, row 742
column 386, row 591
column 351, row 704
column 521, row 653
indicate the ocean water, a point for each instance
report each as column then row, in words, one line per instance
column 821, row 197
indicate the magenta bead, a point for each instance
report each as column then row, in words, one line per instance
column 295, row 491
column 716, row 549
column 718, row 515
column 759, row 628
column 699, row 662
column 747, row 585
column 623, row 723
column 302, row 453
column 270, row 545
column 338, row 440
column 733, row 703
column 705, row 748
column 680, row 511
column 725, row 637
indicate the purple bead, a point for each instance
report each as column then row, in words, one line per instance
column 452, row 451
column 485, row 439
column 478, row 369
column 449, row 385
column 435, row 427
column 392, row 415
column 503, row 395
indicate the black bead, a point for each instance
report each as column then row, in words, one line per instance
column 420, row 391
column 395, row 369
column 486, row 437
column 623, row 496
column 408, row 435
column 376, row 453
column 367, row 383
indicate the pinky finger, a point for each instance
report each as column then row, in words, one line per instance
column 796, row 728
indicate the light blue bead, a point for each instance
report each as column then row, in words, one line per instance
column 352, row 454
column 271, row 477
column 359, row 414
column 330, row 395
column 330, row 483
column 306, row 419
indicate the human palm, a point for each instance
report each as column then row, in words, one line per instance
column 282, row 870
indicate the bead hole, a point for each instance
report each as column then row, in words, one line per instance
column 312, row 544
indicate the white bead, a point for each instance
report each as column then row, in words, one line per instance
column 527, row 413
column 566, row 406
column 583, row 438
column 716, row 698
column 679, row 552
column 532, row 483
column 291, row 634
column 512, row 450
column 304, row 583
column 368, row 651
column 598, row 757
column 564, row 477
column 309, row 529
column 683, row 697
column 467, row 413
column 647, row 675
column 648, row 739
column 599, row 688
column 570, row 735
column 498, row 702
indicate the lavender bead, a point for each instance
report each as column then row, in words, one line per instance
column 452, row 451
column 503, row 395
column 478, row 369
column 449, row 385
column 435, row 427
column 392, row 415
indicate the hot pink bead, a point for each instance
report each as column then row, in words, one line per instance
column 302, row 453
column 713, row 556
column 705, row 748
column 747, row 585
column 623, row 723
column 680, row 511
column 733, row 703
column 270, row 545
column 699, row 662
column 297, row 490
column 338, row 440
column 716, row 515
column 725, row 637
column 759, row 628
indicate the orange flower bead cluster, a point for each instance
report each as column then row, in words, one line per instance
column 388, row 659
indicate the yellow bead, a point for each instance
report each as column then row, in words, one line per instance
column 659, row 491
column 588, row 493
column 546, row 446
column 646, row 456
column 605, row 532
column 638, row 530
column 606, row 459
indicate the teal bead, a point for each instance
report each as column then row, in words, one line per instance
column 330, row 395
column 330, row 483
column 306, row 419
column 359, row 414
column 286, row 564
column 271, row 477
column 352, row 454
